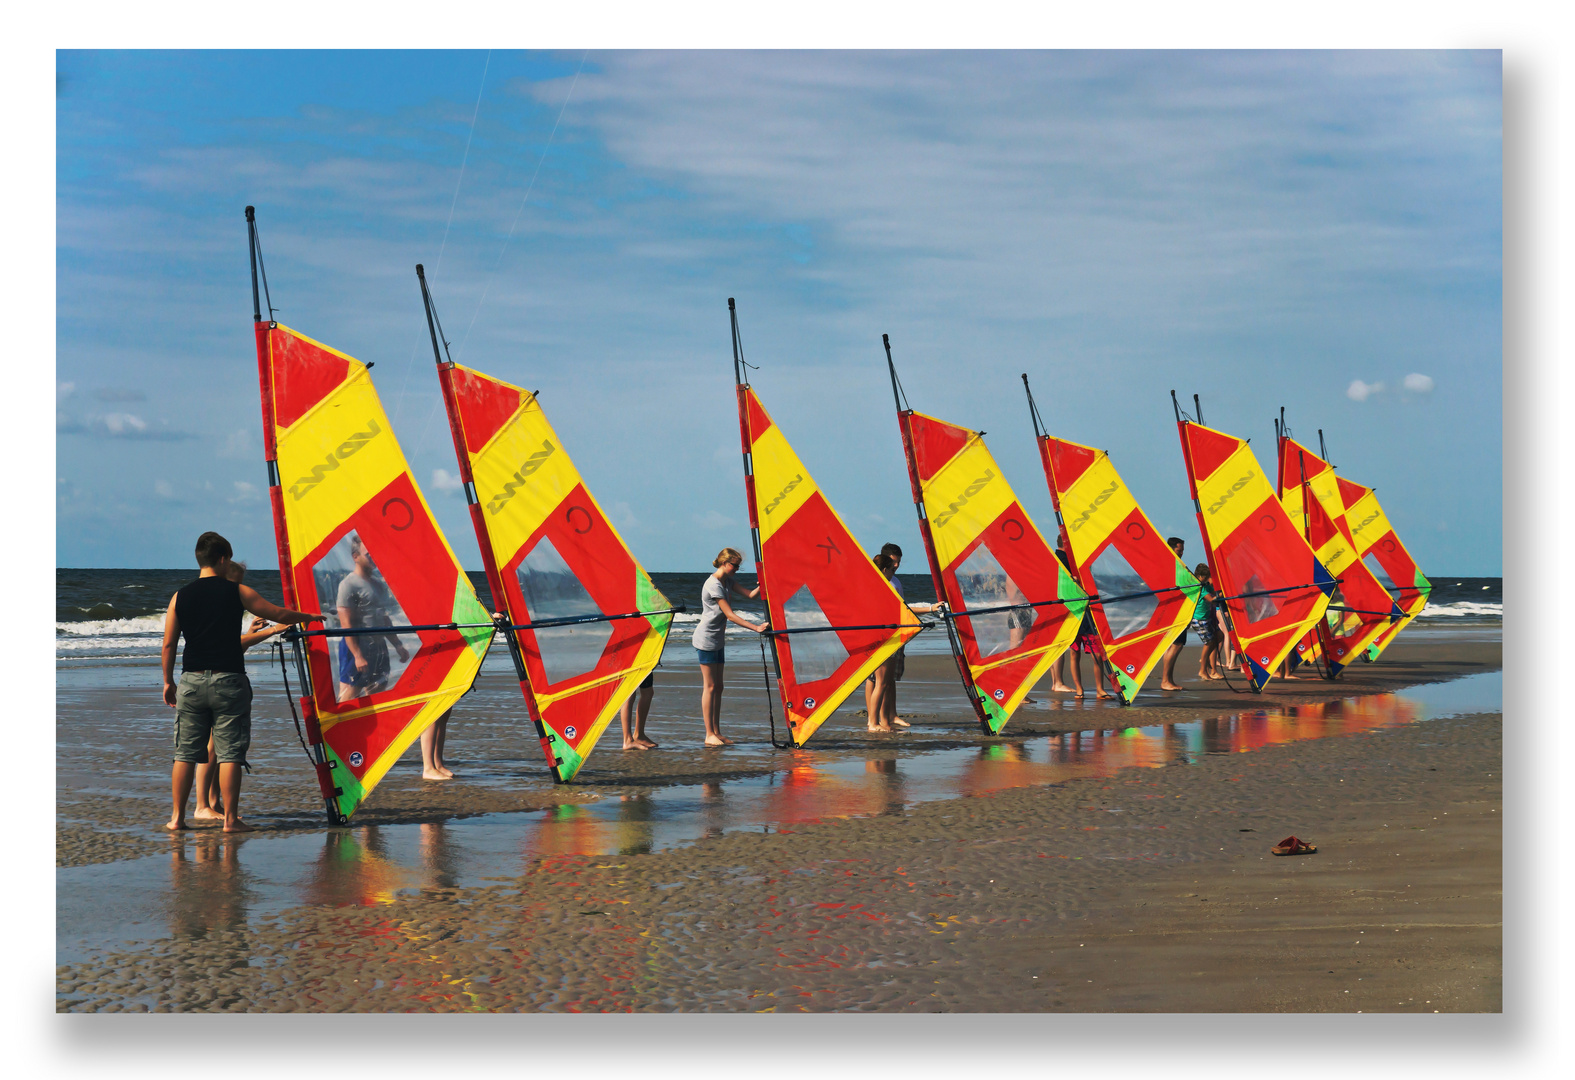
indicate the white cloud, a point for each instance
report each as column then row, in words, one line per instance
column 244, row 492
column 1361, row 391
column 1419, row 384
column 443, row 480
column 162, row 489
column 713, row 520
column 125, row 424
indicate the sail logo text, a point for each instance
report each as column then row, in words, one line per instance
column 1366, row 521
column 795, row 482
column 331, row 462
column 532, row 463
column 1214, row 506
column 962, row 500
column 1099, row 500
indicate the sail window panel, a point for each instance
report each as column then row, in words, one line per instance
column 1114, row 576
column 814, row 656
column 551, row 591
column 982, row 583
column 1252, row 572
column 351, row 592
column 1380, row 573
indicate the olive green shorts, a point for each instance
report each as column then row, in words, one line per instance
column 217, row 702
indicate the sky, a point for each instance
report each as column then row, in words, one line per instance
column 1319, row 231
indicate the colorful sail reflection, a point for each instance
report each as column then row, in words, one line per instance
column 1360, row 609
column 1275, row 588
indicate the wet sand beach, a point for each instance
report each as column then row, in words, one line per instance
column 938, row 870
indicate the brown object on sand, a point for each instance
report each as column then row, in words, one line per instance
column 1292, row 846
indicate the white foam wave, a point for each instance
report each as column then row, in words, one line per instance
column 147, row 624
column 1463, row 609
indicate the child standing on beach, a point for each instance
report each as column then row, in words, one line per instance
column 1204, row 626
column 715, row 614
column 880, row 689
column 632, row 714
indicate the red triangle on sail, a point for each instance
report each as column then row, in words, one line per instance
column 1070, row 460
column 935, row 442
column 488, row 405
column 1210, row 449
column 303, row 374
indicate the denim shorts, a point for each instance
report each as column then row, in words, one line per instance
column 219, row 702
column 710, row 656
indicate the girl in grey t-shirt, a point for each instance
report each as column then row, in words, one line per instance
column 715, row 614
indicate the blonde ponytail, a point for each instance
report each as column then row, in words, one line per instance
column 728, row 555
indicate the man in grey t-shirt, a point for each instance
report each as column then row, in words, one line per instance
column 363, row 600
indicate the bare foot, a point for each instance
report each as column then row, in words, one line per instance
column 900, row 722
column 205, row 813
column 448, row 773
column 634, row 744
column 883, row 728
column 176, row 825
column 237, row 826
column 1060, row 688
column 433, row 774
column 1171, row 686
column 718, row 740
column 647, row 743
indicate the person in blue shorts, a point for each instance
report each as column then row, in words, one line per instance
column 715, row 614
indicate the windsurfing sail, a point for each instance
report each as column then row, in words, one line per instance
column 586, row 625
column 404, row 634
column 1380, row 549
column 834, row 617
column 1013, row 609
column 1274, row 586
column 1360, row 609
column 1142, row 595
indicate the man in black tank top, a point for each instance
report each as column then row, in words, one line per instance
column 214, row 695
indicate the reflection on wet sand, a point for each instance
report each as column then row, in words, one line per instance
column 209, row 886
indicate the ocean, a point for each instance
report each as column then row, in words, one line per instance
column 116, row 617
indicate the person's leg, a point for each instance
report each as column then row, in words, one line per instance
column 1099, row 677
column 1058, row 675
column 181, row 773
column 899, row 666
column 642, row 712
column 877, row 716
column 626, row 719
column 431, row 756
column 1167, row 678
column 1076, row 664
column 230, row 784
column 711, row 704
column 209, row 805
column 232, row 739
column 440, row 743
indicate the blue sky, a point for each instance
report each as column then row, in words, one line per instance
column 1265, row 229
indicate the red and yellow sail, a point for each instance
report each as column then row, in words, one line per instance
column 1147, row 595
column 1274, row 586
column 813, row 576
column 1361, row 609
column 552, row 554
column 1378, row 546
column 987, row 555
column 357, row 540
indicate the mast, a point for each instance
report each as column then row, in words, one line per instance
column 1042, row 440
column 904, row 421
column 315, row 749
column 741, row 390
column 1203, row 530
column 504, row 616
